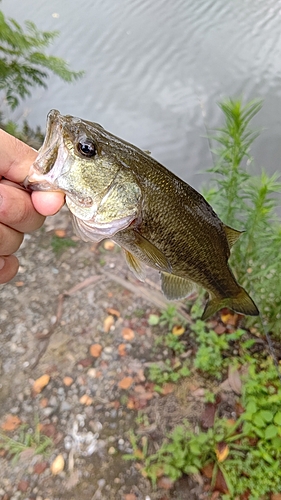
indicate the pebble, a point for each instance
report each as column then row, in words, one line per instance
column 101, row 483
column 92, row 372
column 47, row 412
column 65, row 406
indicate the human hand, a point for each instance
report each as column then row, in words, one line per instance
column 20, row 211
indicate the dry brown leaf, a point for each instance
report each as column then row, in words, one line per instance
column 131, row 405
column 122, row 350
column 86, row 400
column 127, row 334
column 60, row 233
column 208, row 470
column 168, row 388
column 275, row 496
column 178, row 330
column 229, row 318
column 108, row 323
column 40, row 383
column 58, row 465
column 234, row 380
column 67, row 381
column 219, row 328
column 125, row 383
column 222, row 451
column 139, row 389
column 95, row 350
column 11, row 423
column 165, row 482
column 208, row 415
column 221, row 483
column 44, row 402
column 113, row 312
column 108, row 245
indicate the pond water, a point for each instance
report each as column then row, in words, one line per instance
column 154, row 71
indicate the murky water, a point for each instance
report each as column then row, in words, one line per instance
column 155, row 70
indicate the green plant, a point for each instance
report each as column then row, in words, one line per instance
column 248, row 202
column 23, row 61
column 27, row 439
column 61, row 244
column 167, row 372
column 211, row 355
column 167, row 318
column 171, row 341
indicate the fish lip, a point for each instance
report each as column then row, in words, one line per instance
column 47, row 155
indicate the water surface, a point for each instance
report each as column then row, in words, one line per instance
column 155, row 70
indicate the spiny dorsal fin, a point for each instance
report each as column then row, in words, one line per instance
column 175, row 287
column 135, row 265
column 232, row 235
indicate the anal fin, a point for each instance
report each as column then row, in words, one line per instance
column 174, row 287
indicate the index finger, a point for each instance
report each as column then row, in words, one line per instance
column 15, row 160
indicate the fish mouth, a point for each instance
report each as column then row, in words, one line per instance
column 50, row 164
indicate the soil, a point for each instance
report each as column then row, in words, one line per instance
column 79, row 313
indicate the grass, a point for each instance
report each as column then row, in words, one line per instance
column 27, row 439
column 60, row 244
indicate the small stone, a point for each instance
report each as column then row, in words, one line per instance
column 101, row 483
column 58, row 465
column 68, row 381
column 23, row 486
column 48, row 411
column 111, row 450
column 92, row 372
column 40, row 467
column 65, row 406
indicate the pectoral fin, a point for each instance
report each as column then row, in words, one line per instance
column 135, row 265
column 151, row 253
column 175, row 287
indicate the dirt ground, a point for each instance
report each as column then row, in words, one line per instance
column 80, row 319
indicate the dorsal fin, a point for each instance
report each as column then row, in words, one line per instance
column 232, row 235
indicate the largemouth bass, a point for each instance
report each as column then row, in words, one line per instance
column 115, row 190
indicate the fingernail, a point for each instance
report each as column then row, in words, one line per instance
column 2, row 263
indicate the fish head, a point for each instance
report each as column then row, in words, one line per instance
column 78, row 159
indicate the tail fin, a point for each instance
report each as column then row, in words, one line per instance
column 241, row 303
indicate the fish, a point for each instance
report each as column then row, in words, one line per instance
column 115, row 190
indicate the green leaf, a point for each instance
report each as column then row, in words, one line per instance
column 251, row 407
column 266, row 415
column 258, row 420
column 270, row 432
column 153, row 320
column 277, row 418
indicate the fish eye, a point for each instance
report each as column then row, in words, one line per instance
column 87, row 148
